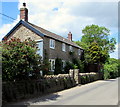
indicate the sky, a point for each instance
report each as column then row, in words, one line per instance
column 62, row 16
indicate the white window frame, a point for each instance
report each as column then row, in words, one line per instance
column 63, row 47
column 40, row 51
column 70, row 48
column 52, row 64
column 52, row 44
column 79, row 51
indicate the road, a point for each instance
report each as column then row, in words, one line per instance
column 102, row 92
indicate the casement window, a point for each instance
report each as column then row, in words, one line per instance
column 63, row 47
column 70, row 48
column 52, row 43
column 79, row 52
column 39, row 45
column 63, row 64
column 52, row 64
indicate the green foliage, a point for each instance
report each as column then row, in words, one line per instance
column 19, row 59
column 99, row 35
column 68, row 66
column 58, row 66
column 96, row 55
column 111, row 68
column 75, row 64
column 46, row 64
column 78, row 64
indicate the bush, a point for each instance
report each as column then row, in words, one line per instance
column 111, row 69
column 68, row 66
column 19, row 59
column 58, row 66
column 79, row 64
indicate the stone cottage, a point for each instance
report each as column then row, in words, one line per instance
column 49, row 43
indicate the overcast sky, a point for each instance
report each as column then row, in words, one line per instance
column 62, row 16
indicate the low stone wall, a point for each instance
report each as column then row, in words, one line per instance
column 15, row 91
column 88, row 77
column 83, row 78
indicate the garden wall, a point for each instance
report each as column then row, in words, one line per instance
column 15, row 91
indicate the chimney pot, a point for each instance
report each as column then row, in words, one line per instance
column 24, row 4
column 24, row 13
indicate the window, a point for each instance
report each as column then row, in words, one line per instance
column 63, row 47
column 63, row 64
column 79, row 52
column 39, row 44
column 70, row 48
column 52, row 43
column 52, row 64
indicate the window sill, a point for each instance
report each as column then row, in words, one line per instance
column 52, row 48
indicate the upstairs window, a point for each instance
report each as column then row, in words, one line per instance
column 70, row 48
column 63, row 47
column 79, row 52
column 52, row 43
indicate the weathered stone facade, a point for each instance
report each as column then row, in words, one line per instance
column 23, row 33
column 57, row 52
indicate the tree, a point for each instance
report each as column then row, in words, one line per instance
column 99, row 35
column 94, row 33
column 96, row 54
column 19, row 59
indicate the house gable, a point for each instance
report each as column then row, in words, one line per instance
column 24, row 33
column 22, row 30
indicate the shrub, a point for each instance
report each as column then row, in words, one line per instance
column 111, row 68
column 79, row 64
column 19, row 59
column 58, row 66
column 68, row 66
column 46, row 64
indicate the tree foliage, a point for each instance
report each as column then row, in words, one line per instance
column 94, row 33
column 19, row 59
column 96, row 44
column 111, row 68
column 96, row 54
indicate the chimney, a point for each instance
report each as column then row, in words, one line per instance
column 24, row 13
column 70, row 36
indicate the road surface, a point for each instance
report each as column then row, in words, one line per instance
column 102, row 92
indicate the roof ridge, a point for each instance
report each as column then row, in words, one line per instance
column 45, row 29
column 53, row 35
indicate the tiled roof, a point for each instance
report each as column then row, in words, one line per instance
column 54, row 36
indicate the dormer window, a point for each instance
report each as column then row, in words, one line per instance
column 63, row 47
column 70, row 48
column 52, row 44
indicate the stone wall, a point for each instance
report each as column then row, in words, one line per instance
column 15, row 91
